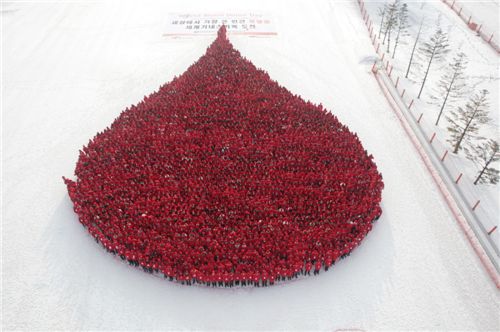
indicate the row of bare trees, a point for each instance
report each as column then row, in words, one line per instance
column 464, row 121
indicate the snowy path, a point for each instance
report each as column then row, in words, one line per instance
column 69, row 69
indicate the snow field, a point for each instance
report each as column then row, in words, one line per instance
column 70, row 68
column 481, row 73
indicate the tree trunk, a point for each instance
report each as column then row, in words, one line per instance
column 414, row 47
column 446, row 97
column 427, row 71
column 388, row 28
column 385, row 35
column 457, row 145
column 411, row 58
column 389, row 41
column 484, row 168
column 381, row 24
column 465, row 131
column 396, row 42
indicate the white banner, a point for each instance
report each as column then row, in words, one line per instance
column 253, row 24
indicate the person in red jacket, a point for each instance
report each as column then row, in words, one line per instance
column 317, row 267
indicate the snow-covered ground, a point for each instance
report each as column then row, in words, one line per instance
column 484, row 13
column 482, row 72
column 70, row 68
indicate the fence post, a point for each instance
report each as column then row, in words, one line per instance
column 383, row 55
column 420, row 117
column 403, row 93
column 491, row 37
column 387, row 66
column 444, row 155
column 470, row 17
column 411, row 103
column 475, row 205
column 492, row 230
column 378, row 46
column 460, row 11
column 374, row 69
column 432, row 138
column 459, row 177
column 479, row 29
column 397, row 81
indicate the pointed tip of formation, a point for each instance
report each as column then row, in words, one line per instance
column 220, row 45
column 221, row 34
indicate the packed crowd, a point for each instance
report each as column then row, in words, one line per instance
column 223, row 177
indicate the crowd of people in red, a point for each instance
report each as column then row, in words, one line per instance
column 224, row 178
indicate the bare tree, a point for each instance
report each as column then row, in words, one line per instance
column 452, row 83
column 434, row 49
column 484, row 155
column 414, row 47
column 465, row 122
column 402, row 26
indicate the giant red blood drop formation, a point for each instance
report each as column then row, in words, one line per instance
column 223, row 177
